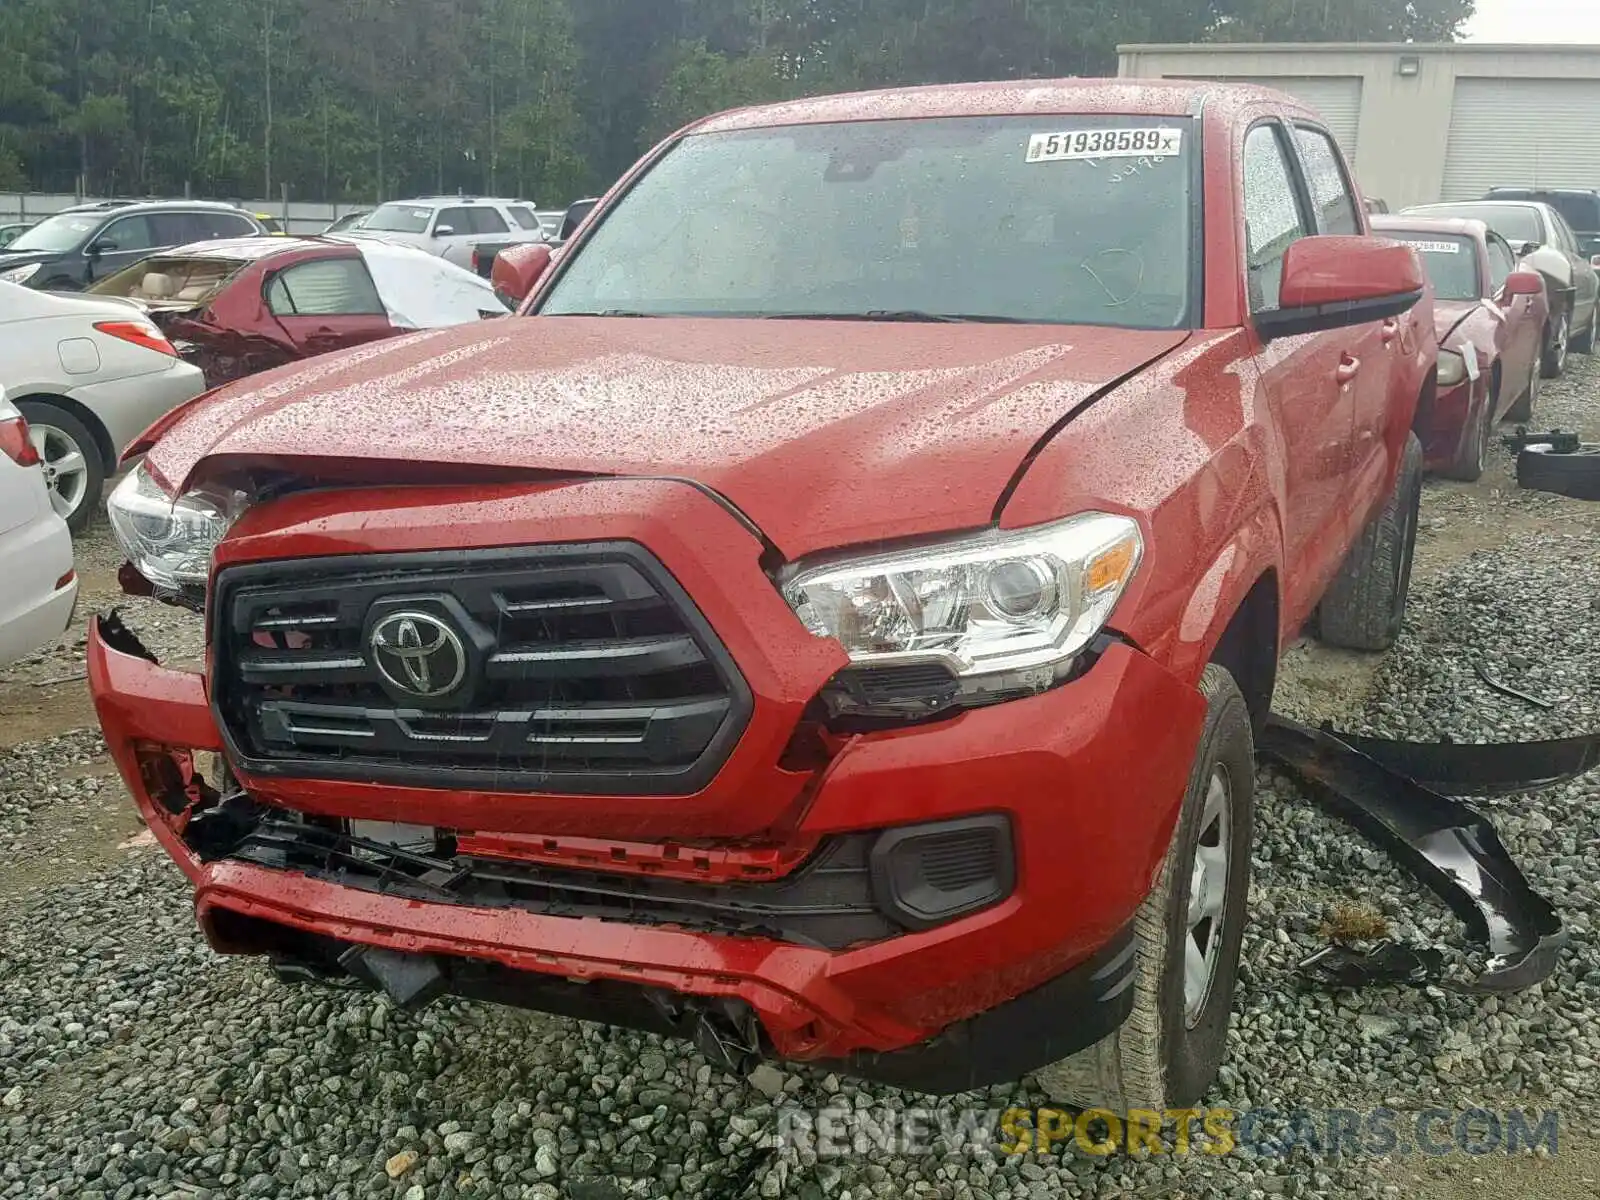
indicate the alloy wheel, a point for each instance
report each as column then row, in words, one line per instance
column 1208, row 893
column 66, row 471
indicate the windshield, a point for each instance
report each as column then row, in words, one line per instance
column 398, row 218
column 1451, row 262
column 1514, row 222
column 171, row 282
column 53, row 235
column 1053, row 219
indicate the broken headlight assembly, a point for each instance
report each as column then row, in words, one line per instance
column 170, row 540
column 1452, row 369
column 973, row 620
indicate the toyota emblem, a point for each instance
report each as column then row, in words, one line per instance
column 418, row 654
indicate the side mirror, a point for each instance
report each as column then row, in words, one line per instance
column 1333, row 282
column 443, row 230
column 1524, row 283
column 1528, row 248
column 575, row 217
column 517, row 269
column 101, row 246
column 1595, row 262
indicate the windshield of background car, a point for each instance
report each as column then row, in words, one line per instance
column 168, row 281
column 398, row 218
column 54, row 235
column 1051, row 219
column 1514, row 222
column 1451, row 262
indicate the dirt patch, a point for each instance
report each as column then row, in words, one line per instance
column 1572, row 1173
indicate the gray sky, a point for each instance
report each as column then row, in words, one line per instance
column 1536, row 21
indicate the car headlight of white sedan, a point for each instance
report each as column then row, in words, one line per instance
column 170, row 540
column 999, row 614
column 21, row 274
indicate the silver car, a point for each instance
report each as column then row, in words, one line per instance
column 452, row 226
column 89, row 375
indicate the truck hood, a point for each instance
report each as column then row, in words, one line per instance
column 823, row 433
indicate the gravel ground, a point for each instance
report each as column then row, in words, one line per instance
column 133, row 1062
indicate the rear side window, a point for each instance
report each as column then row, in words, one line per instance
column 222, row 225
column 524, row 217
column 1272, row 217
column 459, row 220
column 326, row 287
column 487, row 220
column 1330, row 194
column 1501, row 262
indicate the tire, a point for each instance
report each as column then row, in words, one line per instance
column 1167, row 1053
column 1366, row 604
column 1558, row 340
column 1589, row 340
column 1473, row 455
column 1522, row 411
column 1577, row 475
column 74, row 471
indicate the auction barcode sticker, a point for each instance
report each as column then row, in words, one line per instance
column 1436, row 247
column 1104, row 143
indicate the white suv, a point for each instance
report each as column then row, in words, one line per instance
column 453, row 226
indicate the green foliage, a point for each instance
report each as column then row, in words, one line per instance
column 359, row 100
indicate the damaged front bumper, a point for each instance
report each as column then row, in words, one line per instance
column 983, row 999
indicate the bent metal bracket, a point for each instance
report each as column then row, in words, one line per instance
column 1386, row 790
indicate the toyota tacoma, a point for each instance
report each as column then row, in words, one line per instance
column 830, row 621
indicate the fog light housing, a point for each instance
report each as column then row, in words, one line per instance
column 927, row 875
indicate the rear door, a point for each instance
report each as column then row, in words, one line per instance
column 1300, row 377
column 326, row 304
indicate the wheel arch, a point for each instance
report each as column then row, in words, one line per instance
column 85, row 416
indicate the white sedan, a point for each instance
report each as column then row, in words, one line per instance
column 89, row 375
column 38, row 587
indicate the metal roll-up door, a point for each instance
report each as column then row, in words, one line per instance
column 1336, row 98
column 1522, row 133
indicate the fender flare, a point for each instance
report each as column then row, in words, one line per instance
column 1255, row 549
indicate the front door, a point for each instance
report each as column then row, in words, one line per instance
column 327, row 304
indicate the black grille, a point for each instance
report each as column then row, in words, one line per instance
column 586, row 669
column 827, row 903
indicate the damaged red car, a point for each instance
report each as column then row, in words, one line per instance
column 1490, row 316
column 233, row 308
column 831, row 621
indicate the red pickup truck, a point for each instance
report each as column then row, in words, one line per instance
column 830, row 622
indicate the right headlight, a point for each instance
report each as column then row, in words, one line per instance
column 971, row 620
column 1452, row 368
column 21, row 274
column 170, row 540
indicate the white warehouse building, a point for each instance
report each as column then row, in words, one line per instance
column 1425, row 122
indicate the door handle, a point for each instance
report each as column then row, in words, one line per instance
column 1391, row 330
column 1349, row 368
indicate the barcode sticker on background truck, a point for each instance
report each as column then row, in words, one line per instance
column 1090, row 144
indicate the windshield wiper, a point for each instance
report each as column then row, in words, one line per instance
column 607, row 312
column 901, row 314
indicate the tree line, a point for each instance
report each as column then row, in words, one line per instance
column 360, row 100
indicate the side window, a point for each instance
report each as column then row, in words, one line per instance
column 130, row 233
column 1501, row 263
column 458, row 219
column 1272, row 218
column 487, row 220
column 177, row 229
column 223, row 225
column 524, row 216
column 1330, row 194
column 329, row 287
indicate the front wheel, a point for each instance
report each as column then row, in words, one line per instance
column 1558, row 338
column 1585, row 343
column 1471, row 459
column 1189, row 930
column 1366, row 604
